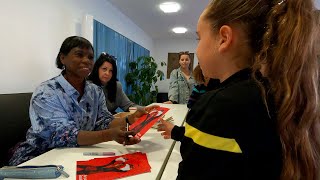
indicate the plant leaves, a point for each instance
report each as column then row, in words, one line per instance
column 142, row 76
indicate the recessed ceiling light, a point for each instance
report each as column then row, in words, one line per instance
column 169, row 7
column 179, row 30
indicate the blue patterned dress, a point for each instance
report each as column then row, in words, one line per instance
column 57, row 117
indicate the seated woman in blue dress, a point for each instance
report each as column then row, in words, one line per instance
column 68, row 111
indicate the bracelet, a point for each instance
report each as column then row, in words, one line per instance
column 127, row 120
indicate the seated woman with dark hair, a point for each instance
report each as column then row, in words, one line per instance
column 104, row 74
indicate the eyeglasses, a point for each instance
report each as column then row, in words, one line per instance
column 184, row 53
column 108, row 56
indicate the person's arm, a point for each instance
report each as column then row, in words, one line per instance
column 115, row 132
column 173, row 93
column 116, row 129
column 132, row 117
column 177, row 133
column 94, row 137
column 101, row 133
column 122, row 99
column 171, row 131
column 51, row 121
column 106, row 119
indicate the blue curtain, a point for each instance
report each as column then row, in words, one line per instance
column 125, row 50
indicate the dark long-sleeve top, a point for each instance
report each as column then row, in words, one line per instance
column 177, row 133
column 198, row 90
column 230, row 134
column 122, row 101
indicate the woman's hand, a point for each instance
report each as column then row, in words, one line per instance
column 150, row 108
column 121, row 136
column 166, row 127
column 140, row 112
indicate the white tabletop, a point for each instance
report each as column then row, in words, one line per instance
column 152, row 143
column 170, row 170
column 172, row 165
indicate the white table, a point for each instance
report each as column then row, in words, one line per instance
column 172, row 165
column 156, row 148
column 170, row 170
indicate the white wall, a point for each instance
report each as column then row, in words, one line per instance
column 161, row 50
column 32, row 32
column 317, row 4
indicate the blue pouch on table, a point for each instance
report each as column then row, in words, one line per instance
column 32, row 172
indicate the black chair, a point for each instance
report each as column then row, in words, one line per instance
column 14, row 122
column 162, row 97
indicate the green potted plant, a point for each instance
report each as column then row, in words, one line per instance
column 142, row 76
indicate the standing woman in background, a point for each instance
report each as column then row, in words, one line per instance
column 255, row 127
column 181, row 81
column 104, row 74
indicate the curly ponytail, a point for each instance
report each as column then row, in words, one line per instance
column 288, row 53
column 281, row 35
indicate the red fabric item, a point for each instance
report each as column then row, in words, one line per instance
column 113, row 167
column 145, row 122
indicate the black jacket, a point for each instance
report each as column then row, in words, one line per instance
column 230, row 134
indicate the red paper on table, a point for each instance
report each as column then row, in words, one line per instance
column 145, row 122
column 113, row 167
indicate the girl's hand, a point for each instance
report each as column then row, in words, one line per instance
column 166, row 127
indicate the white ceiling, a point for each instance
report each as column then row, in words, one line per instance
column 147, row 15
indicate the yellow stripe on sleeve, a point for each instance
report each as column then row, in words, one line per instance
column 211, row 141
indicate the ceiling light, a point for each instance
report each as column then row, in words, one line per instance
column 169, row 7
column 179, row 30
